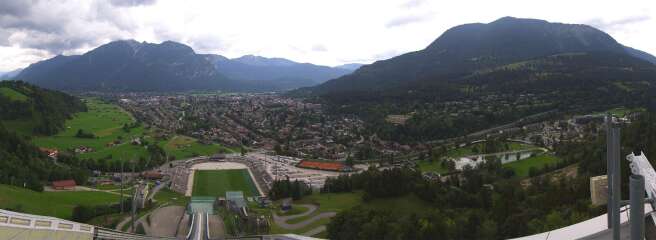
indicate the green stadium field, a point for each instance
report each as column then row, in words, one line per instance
column 217, row 182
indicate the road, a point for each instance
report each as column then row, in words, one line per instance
column 282, row 220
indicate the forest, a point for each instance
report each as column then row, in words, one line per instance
column 24, row 165
column 46, row 110
column 488, row 202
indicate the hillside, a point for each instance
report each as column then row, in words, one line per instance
column 476, row 76
column 464, row 49
column 29, row 110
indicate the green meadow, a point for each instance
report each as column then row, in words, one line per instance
column 184, row 147
column 106, row 122
column 56, row 204
column 522, row 167
column 12, row 94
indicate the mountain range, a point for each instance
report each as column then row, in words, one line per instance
column 10, row 74
column 128, row 65
column 275, row 73
column 461, row 51
column 469, row 48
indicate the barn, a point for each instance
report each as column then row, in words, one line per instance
column 64, row 184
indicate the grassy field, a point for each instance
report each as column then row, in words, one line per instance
column 217, row 182
column 105, row 121
column 12, row 94
column 435, row 166
column 337, row 202
column 173, row 198
column 327, row 202
column 522, row 167
column 468, row 150
column 184, row 147
column 57, row 204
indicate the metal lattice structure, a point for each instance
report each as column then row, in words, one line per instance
column 640, row 165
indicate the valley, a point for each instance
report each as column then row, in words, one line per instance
column 496, row 130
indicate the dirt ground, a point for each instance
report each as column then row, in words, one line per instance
column 183, row 227
column 216, row 227
column 164, row 221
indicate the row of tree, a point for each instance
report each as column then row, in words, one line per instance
column 289, row 189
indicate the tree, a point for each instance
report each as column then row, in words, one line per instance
column 349, row 161
column 278, row 149
column 488, row 230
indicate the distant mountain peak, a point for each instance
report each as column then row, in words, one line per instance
column 465, row 49
column 350, row 66
column 509, row 19
column 263, row 61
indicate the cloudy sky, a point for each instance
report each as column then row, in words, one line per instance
column 328, row 32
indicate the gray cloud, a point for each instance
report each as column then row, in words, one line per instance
column 319, row 48
column 132, row 3
column 405, row 20
column 413, row 3
column 373, row 58
column 62, row 27
column 616, row 24
column 14, row 8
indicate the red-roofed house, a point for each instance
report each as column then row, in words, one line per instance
column 52, row 153
column 153, row 175
column 64, row 184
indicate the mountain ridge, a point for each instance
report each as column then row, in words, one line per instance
column 128, row 65
column 465, row 48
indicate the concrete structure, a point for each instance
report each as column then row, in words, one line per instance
column 599, row 190
column 236, row 202
column 20, row 226
column 201, row 205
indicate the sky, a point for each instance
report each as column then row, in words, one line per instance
column 326, row 32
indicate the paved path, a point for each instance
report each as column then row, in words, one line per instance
column 311, row 208
column 119, row 226
column 281, row 221
column 156, row 189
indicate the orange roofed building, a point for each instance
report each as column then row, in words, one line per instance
column 64, row 184
column 328, row 166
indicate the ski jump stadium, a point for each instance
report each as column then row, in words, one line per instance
column 625, row 219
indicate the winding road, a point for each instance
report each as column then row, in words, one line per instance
column 281, row 221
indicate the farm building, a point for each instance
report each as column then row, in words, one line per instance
column 64, row 184
column 153, row 175
column 51, row 152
